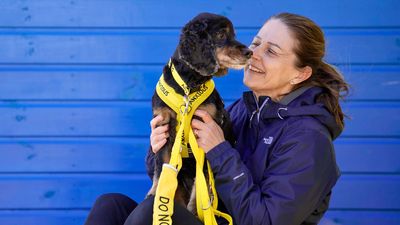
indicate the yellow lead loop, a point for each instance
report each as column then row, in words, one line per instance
column 163, row 202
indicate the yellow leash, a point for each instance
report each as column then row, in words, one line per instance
column 184, row 106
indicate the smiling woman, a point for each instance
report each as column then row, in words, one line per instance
column 282, row 168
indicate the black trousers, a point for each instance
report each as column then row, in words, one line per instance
column 118, row 209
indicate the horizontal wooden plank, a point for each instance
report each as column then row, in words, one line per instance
column 132, row 118
column 116, row 46
column 123, row 13
column 369, row 82
column 368, row 155
column 75, row 119
column 348, row 217
column 47, row 191
column 126, row 155
column 43, row 217
column 72, row 155
column 372, row 119
column 366, row 192
column 64, row 191
column 73, row 217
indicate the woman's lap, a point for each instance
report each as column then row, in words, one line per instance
column 119, row 209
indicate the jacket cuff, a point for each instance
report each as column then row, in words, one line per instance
column 218, row 151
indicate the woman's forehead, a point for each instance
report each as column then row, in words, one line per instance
column 274, row 31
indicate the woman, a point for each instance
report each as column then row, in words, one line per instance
column 282, row 168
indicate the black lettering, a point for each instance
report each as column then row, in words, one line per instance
column 163, row 217
column 163, row 207
column 164, row 200
column 163, row 89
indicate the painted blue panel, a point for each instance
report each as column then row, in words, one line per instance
column 79, row 82
column 354, row 155
column 342, row 217
column 132, row 119
column 123, row 13
column 368, row 155
column 46, row 191
column 369, row 82
column 366, row 192
column 72, row 155
column 75, row 119
column 74, row 217
column 344, row 46
column 372, row 119
column 43, row 217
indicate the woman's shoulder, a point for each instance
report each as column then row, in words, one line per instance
column 306, row 125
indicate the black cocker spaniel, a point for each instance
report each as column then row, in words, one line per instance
column 207, row 48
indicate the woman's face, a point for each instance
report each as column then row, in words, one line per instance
column 272, row 66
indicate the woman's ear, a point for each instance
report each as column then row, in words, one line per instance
column 196, row 48
column 302, row 75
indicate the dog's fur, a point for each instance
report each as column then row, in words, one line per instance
column 207, row 48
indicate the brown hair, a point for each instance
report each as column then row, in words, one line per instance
column 310, row 50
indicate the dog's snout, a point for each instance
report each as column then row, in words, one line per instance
column 247, row 52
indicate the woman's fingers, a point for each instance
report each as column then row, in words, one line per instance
column 157, row 146
column 158, row 138
column 159, row 135
column 156, row 120
column 208, row 133
column 204, row 115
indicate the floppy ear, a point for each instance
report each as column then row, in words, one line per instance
column 196, row 48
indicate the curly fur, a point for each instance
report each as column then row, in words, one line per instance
column 197, row 61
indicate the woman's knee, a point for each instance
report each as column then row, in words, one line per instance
column 112, row 198
column 115, row 201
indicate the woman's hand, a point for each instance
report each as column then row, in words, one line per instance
column 159, row 135
column 208, row 133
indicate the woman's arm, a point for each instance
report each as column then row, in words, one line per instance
column 298, row 177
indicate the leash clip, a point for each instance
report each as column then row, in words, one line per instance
column 186, row 105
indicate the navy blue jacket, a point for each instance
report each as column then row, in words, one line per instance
column 282, row 167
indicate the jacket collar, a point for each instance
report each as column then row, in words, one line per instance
column 252, row 104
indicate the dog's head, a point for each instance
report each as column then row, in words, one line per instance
column 208, row 45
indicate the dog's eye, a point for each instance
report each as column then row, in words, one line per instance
column 221, row 35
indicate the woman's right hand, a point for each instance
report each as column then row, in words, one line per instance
column 159, row 135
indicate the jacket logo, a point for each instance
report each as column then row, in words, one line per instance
column 268, row 140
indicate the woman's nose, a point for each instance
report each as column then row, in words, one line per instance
column 256, row 52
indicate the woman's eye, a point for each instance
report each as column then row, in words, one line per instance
column 253, row 44
column 270, row 51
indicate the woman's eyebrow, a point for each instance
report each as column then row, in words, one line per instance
column 276, row 45
column 271, row 43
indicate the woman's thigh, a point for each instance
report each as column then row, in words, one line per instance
column 110, row 209
column 143, row 215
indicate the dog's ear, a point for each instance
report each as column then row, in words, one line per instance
column 196, row 48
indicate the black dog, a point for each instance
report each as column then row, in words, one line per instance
column 207, row 48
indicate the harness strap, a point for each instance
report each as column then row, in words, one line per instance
column 185, row 106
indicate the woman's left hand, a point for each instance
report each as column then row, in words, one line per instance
column 208, row 133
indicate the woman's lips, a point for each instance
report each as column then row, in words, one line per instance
column 255, row 69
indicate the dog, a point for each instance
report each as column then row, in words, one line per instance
column 207, row 48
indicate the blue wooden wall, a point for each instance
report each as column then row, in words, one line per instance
column 76, row 78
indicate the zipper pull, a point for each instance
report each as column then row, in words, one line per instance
column 252, row 115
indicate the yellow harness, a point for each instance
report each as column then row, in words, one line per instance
column 184, row 106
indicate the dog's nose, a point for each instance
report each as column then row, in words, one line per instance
column 247, row 52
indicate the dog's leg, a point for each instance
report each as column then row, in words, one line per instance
column 191, row 206
column 152, row 191
column 163, row 155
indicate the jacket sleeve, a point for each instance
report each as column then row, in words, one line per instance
column 149, row 159
column 297, row 177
